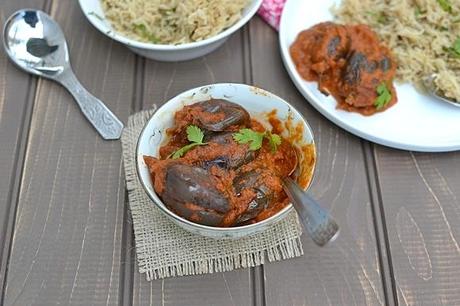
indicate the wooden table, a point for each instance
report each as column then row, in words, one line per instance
column 66, row 234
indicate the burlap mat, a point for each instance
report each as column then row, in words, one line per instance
column 164, row 249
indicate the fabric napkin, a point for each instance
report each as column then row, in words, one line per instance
column 164, row 249
column 271, row 10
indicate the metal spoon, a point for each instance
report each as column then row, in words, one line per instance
column 321, row 227
column 430, row 86
column 36, row 43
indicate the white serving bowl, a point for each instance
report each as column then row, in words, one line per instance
column 93, row 11
column 257, row 102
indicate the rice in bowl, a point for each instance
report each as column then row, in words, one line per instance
column 172, row 22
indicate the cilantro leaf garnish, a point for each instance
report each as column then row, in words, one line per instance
column 195, row 135
column 255, row 139
column 383, row 96
column 455, row 49
column 456, row 46
column 274, row 140
column 445, row 5
column 418, row 11
column 142, row 31
column 378, row 16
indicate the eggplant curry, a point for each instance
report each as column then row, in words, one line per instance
column 349, row 62
column 220, row 167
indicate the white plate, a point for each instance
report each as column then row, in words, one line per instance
column 417, row 122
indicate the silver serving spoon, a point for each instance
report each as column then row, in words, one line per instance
column 36, row 43
column 321, row 227
column 431, row 88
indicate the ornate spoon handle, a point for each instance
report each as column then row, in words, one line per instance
column 102, row 119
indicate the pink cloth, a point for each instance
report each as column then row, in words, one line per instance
column 271, row 10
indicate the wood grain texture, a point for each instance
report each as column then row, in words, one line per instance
column 346, row 272
column 231, row 288
column 163, row 81
column 67, row 241
column 71, row 238
column 421, row 201
column 16, row 91
column 166, row 80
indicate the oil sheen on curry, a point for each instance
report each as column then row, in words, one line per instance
column 348, row 62
column 220, row 167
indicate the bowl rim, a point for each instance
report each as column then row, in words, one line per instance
column 163, row 47
column 276, row 217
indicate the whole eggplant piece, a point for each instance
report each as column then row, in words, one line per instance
column 233, row 114
column 263, row 196
column 192, row 194
column 232, row 160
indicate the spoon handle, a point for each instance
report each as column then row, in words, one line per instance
column 316, row 221
column 102, row 119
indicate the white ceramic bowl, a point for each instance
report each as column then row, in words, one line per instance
column 168, row 53
column 257, row 102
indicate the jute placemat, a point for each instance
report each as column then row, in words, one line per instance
column 164, row 249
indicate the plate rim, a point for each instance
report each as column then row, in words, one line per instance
column 312, row 100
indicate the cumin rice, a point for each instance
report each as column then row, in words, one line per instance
column 421, row 33
column 172, row 21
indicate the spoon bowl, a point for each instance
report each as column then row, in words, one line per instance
column 429, row 84
column 36, row 44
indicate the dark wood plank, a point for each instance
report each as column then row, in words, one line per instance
column 231, row 288
column 346, row 272
column 16, row 91
column 66, row 247
column 421, row 201
column 163, row 81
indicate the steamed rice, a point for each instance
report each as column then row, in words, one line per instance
column 172, row 21
column 421, row 34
